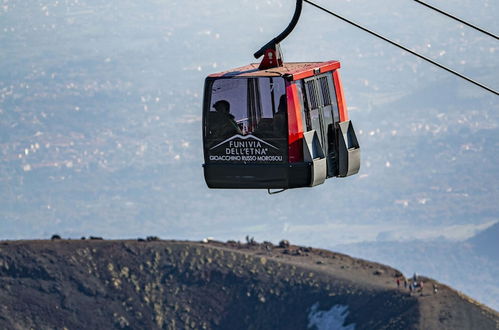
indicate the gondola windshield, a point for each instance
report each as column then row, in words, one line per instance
column 245, row 120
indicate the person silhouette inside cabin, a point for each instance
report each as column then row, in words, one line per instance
column 222, row 123
column 280, row 119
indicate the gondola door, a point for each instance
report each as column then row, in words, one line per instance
column 323, row 114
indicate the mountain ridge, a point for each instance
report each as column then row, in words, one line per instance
column 181, row 284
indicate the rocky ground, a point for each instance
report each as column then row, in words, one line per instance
column 156, row 284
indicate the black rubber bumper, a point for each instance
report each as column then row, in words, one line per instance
column 257, row 176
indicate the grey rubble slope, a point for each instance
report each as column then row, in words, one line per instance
column 183, row 285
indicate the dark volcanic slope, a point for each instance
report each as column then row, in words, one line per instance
column 187, row 285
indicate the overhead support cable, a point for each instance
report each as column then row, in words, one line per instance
column 404, row 48
column 458, row 19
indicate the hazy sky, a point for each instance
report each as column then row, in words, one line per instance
column 100, row 110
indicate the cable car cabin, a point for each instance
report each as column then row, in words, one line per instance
column 285, row 127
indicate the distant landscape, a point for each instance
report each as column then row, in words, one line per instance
column 100, row 128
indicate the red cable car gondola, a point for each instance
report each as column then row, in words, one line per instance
column 277, row 125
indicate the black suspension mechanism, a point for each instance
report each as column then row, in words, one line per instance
column 271, row 50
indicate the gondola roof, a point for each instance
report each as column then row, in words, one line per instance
column 291, row 71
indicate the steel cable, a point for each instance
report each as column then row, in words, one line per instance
column 404, row 48
column 458, row 19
